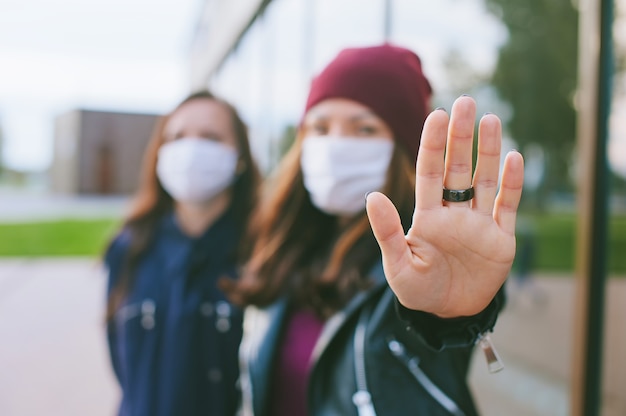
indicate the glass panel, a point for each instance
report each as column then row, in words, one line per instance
column 614, row 365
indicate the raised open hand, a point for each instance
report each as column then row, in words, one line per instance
column 456, row 255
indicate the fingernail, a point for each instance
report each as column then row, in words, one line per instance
column 464, row 95
column 441, row 109
column 366, row 195
column 487, row 113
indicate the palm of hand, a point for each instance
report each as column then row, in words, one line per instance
column 456, row 255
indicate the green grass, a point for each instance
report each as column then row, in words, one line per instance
column 554, row 248
column 56, row 238
column 555, row 243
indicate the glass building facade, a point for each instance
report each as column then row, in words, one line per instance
column 268, row 73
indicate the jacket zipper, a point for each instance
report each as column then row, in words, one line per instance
column 362, row 399
column 399, row 351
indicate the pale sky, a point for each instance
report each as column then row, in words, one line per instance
column 58, row 55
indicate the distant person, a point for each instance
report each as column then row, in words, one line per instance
column 350, row 316
column 523, row 283
column 173, row 336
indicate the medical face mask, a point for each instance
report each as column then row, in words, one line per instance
column 195, row 169
column 339, row 171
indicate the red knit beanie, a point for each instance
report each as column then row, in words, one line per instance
column 388, row 79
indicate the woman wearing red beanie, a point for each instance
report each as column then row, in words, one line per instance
column 361, row 303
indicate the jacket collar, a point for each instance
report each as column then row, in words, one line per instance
column 336, row 322
column 216, row 246
column 262, row 329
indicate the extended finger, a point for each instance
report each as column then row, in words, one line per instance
column 429, row 168
column 458, row 163
column 388, row 231
column 510, row 192
column 487, row 164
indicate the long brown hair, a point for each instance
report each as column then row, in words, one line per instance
column 306, row 254
column 151, row 201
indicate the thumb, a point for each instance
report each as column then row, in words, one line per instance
column 387, row 229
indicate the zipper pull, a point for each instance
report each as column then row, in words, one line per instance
column 494, row 362
column 363, row 402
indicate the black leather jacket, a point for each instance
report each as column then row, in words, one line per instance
column 374, row 354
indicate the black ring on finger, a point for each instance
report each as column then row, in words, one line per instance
column 458, row 195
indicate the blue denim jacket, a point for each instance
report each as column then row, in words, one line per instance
column 174, row 341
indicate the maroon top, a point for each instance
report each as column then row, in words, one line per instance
column 288, row 395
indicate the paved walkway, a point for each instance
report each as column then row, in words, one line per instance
column 534, row 336
column 53, row 358
column 16, row 206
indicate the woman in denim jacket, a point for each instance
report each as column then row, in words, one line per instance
column 173, row 336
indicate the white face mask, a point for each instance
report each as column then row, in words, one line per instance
column 194, row 169
column 340, row 171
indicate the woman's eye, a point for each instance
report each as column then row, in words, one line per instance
column 319, row 129
column 367, row 130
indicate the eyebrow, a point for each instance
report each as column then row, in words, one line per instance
column 202, row 133
column 211, row 133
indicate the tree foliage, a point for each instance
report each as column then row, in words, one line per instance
column 536, row 74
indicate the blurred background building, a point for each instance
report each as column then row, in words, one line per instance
column 99, row 152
